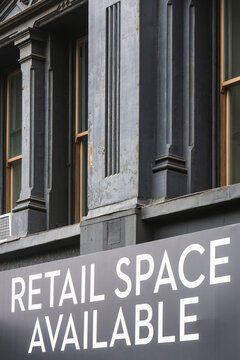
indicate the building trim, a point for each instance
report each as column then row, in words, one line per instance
column 26, row 14
column 14, row 244
column 208, row 198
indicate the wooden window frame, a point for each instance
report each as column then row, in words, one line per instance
column 225, row 88
column 80, row 137
column 10, row 162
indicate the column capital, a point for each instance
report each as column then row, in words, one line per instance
column 31, row 43
column 28, row 35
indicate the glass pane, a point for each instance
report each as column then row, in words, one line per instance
column 84, row 175
column 82, row 120
column 15, row 115
column 16, row 182
column 234, row 135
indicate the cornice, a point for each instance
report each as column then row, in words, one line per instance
column 26, row 14
column 63, row 8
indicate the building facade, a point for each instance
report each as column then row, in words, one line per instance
column 118, row 124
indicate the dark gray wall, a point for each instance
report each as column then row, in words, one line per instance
column 39, row 254
column 148, row 94
column 57, row 132
column 198, row 151
column 195, row 220
column 183, row 127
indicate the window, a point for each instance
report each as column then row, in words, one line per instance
column 230, row 91
column 81, row 129
column 13, row 139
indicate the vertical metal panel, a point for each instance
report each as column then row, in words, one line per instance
column 191, row 73
column 32, row 113
column 50, row 125
column 112, row 119
column 118, row 89
column 108, row 91
column 169, row 71
column 189, row 85
column 113, row 71
column 70, row 134
column 215, row 105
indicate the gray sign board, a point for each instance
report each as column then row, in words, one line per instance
column 177, row 298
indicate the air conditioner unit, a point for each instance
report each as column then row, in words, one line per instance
column 5, row 227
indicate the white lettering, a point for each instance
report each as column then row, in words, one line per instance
column 53, row 338
column 143, row 323
column 143, row 276
column 218, row 261
column 95, row 343
column 18, row 296
column 37, row 343
column 187, row 283
column 168, row 280
column 161, row 338
column 186, row 319
column 85, row 330
column 124, row 277
column 33, row 292
column 124, row 334
column 83, row 284
column 52, row 275
column 68, row 295
column 70, row 340
column 94, row 297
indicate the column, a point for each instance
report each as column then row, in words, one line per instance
column 31, row 43
column 169, row 168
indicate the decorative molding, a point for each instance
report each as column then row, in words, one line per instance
column 32, row 57
column 8, row 22
column 30, row 203
column 26, row 36
column 11, row 8
column 170, row 162
column 65, row 4
column 112, row 106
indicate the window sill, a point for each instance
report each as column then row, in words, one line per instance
column 52, row 237
column 192, row 202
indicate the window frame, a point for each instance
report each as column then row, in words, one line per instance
column 225, row 87
column 80, row 138
column 10, row 162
